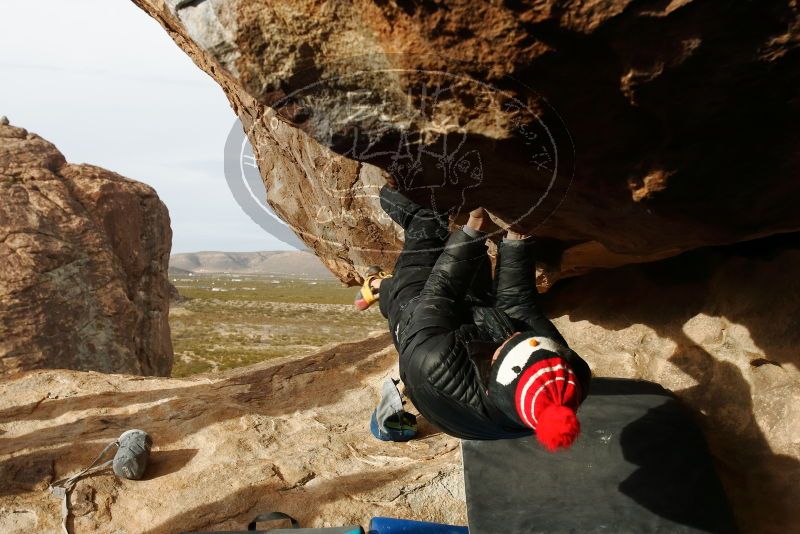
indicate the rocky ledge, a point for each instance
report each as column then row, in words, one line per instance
column 288, row 434
column 717, row 327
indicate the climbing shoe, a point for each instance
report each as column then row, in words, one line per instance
column 368, row 295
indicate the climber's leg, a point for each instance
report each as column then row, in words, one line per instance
column 425, row 235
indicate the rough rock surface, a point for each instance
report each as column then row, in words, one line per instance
column 652, row 127
column 289, row 435
column 720, row 328
column 84, row 254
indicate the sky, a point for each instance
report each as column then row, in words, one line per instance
column 104, row 82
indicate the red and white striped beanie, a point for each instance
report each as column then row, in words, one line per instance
column 533, row 377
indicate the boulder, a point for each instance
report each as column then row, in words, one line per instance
column 288, row 434
column 85, row 254
column 622, row 131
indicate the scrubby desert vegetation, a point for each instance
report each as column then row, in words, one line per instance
column 227, row 321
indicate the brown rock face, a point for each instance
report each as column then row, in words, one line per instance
column 626, row 131
column 85, row 255
column 281, row 435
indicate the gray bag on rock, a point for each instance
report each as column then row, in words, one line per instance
column 130, row 461
column 131, row 458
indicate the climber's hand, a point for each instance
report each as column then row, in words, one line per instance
column 478, row 220
column 511, row 234
column 391, row 181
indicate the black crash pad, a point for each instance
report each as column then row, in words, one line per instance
column 640, row 465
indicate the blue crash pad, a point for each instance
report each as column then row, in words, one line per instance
column 387, row 525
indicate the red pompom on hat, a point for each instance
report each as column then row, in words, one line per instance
column 539, row 383
column 547, row 397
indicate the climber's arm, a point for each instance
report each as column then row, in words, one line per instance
column 452, row 275
column 438, row 317
column 516, row 292
column 460, row 260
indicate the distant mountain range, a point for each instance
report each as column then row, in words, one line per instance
column 279, row 262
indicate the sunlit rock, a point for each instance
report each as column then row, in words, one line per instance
column 84, row 255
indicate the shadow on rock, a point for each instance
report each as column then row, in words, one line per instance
column 749, row 285
column 170, row 414
column 167, row 462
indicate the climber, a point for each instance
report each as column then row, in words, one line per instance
column 478, row 362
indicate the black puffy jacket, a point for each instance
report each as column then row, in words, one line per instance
column 443, row 338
